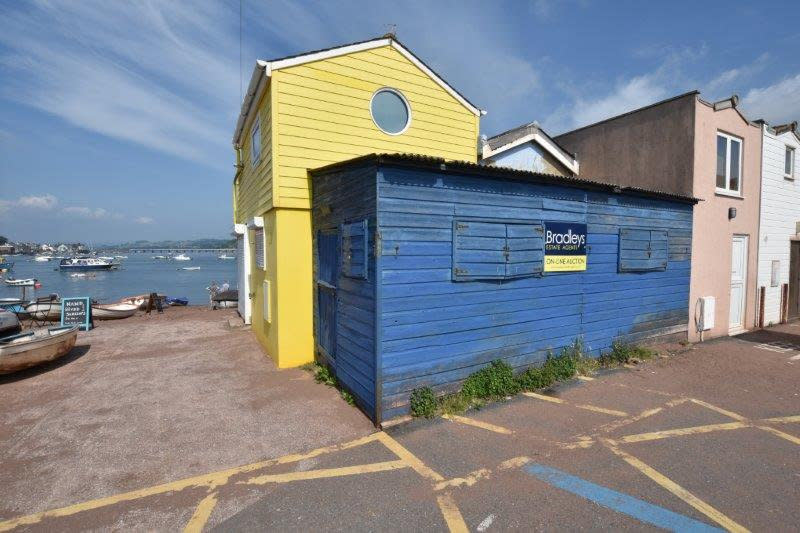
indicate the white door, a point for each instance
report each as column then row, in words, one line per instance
column 243, row 264
column 738, row 283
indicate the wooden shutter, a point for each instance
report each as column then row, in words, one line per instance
column 354, row 249
column 261, row 261
column 525, row 246
column 479, row 250
column 642, row 250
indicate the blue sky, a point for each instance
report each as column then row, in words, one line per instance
column 116, row 118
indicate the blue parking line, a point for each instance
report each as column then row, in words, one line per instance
column 617, row 501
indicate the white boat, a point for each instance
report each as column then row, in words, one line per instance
column 141, row 300
column 44, row 309
column 223, row 256
column 105, row 258
column 189, row 268
column 159, row 257
column 182, row 257
column 120, row 257
column 28, row 282
column 87, row 263
column 113, row 311
column 43, row 258
column 35, row 347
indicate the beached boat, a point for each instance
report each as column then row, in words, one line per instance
column 28, row 282
column 9, row 323
column 178, row 301
column 189, row 268
column 31, row 348
column 224, row 299
column 113, row 311
column 141, row 300
column 182, row 257
column 47, row 308
column 86, row 263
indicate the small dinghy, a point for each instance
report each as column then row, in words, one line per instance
column 189, row 268
column 47, row 308
column 178, row 301
column 29, row 282
column 31, row 348
column 141, row 300
column 182, row 257
column 113, row 311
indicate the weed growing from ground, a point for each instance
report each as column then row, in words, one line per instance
column 324, row 375
column 622, row 354
column 491, row 382
column 423, row 402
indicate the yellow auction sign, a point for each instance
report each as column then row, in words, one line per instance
column 564, row 247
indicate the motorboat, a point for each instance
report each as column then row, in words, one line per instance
column 181, row 301
column 224, row 256
column 159, row 257
column 27, row 282
column 43, row 258
column 182, row 257
column 34, row 347
column 189, row 268
column 120, row 257
column 86, row 263
column 113, row 311
column 47, row 308
column 5, row 265
column 9, row 323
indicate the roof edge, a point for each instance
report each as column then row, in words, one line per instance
column 465, row 167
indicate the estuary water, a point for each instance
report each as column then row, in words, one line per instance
column 139, row 274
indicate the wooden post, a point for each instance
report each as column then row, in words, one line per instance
column 784, row 303
column 762, row 292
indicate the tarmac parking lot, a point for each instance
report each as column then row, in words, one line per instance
column 705, row 438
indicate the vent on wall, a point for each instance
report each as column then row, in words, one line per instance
column 267, row 302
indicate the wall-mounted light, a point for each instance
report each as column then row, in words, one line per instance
column 731, row 213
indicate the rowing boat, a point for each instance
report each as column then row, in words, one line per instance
column 31, row 348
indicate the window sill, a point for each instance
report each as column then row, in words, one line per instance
column 728, row 194
column 788, row 177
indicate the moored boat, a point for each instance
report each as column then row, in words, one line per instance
column 86, row 263
column 43, row 258
column 5, row 265
column 28, row 282
column 189, row 268
column 31, row 348
column 113, row 311
column 224, row 256
column 182, row 257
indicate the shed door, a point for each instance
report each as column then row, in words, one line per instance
column 327, row 278
column 738, row 282
column 794, row 279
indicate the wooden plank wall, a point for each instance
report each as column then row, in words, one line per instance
column 254, row 189
column 339, row 198
column 436, row 331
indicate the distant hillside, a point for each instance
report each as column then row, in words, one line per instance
column 193, row 243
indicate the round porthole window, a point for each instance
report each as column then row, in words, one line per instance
column 390, row 111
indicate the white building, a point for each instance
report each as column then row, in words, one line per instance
column 528, row 147
column 779, row 233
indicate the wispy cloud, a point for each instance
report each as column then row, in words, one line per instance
column 727, row 82
column 47, row 201
column 144, row 220
column 86, row 212
column 161, row 75
column 778, row 103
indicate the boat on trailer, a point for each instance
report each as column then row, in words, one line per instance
column 31, row 348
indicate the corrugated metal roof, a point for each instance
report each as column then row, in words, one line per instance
column 466, row 167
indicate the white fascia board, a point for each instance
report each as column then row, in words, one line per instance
column 370, row 45
column 561, row 156
column 255, row 222
column 256, row 87
column 240, row 229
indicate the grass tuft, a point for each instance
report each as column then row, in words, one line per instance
column 423, row 402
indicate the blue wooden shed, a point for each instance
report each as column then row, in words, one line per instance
column 426, row 270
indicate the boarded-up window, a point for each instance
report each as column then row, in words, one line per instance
column 496, row 250
column 354, row 249
column 261, row 260
column 642, row 250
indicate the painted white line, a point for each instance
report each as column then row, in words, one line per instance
column 484, row 525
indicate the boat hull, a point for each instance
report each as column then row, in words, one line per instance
column 43, row 346
column 44, row 310
column 83, row 268
column 113, row 311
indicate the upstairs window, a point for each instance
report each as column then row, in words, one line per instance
column 789, row 165
column 642, row 250
column 390, row 111
column 729, row 164
column 354, row 249
column 496, row 250
column 255, row 142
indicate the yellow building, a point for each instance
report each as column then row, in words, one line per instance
column 307, row 111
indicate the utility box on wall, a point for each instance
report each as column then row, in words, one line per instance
column 707, row 309
column 453, row 271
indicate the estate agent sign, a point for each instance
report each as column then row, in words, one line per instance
column 564, row 247
column 76, row 311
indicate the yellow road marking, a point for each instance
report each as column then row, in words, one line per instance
column 621, row 423
column 781, row 434
column 410, row 459
column 612, row 412
column 475, row 476
column 655, row 435
column 201, row 514
column 451, row 514
column 213, row 479
column 326, row 472
column 478, row 424
column 677, row 490
column 543, row 397
column 720, row 410
column 783, row 419
column 582, row 442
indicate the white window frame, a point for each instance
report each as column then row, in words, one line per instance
column 792, row 166
column 405, row 101
column 255, row 142
column 727, row 191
